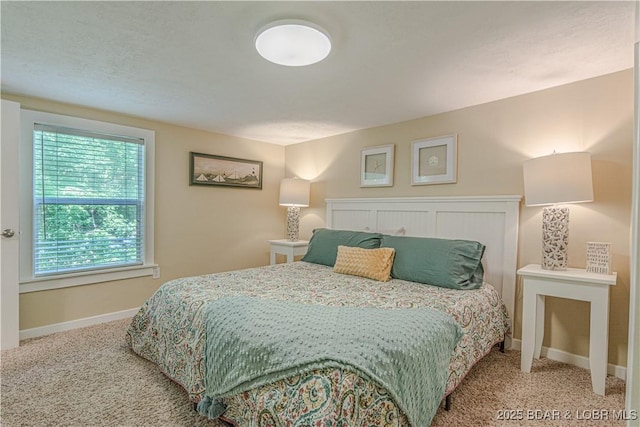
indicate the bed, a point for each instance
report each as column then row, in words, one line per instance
column 171, row 327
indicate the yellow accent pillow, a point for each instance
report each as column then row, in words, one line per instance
column 370, row 263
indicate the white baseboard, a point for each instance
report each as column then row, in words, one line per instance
column 75, row 324
column 573, row 359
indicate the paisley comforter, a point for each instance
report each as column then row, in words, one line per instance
column 169, row 330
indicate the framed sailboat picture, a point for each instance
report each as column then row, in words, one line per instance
column 209, row 169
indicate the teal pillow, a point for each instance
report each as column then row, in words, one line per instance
column 454, row 264
column 323, row 246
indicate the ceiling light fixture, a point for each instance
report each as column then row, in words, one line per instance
column 293, row 43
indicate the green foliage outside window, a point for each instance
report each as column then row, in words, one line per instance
column 88, row 201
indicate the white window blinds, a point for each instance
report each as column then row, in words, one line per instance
column 88, row 200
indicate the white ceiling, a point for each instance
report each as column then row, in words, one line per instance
column 194, row 63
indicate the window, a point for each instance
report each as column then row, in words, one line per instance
column 90, row 202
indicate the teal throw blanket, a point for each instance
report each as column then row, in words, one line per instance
column 251, row 342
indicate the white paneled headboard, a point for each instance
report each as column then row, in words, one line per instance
column 491, row 220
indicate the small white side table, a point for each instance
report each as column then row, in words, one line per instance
column 577, row 284
column 288, row 248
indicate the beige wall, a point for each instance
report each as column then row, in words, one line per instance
column 493, row 141
column 201, row 230
column 197, row 229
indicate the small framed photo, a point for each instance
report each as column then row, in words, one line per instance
column 221, row 171
column 376, row 166
column 434, row 160
column 599, row 257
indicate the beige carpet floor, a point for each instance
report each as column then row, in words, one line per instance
column 89, row 377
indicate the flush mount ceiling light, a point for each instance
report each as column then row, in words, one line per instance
column 293, row 43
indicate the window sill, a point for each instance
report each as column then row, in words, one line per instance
column 86, row 278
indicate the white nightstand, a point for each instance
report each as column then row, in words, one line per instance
column 577, row 284
column 288, row 248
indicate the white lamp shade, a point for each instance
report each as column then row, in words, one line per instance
column 294, row 192
column 558, row 178
column 293, row 43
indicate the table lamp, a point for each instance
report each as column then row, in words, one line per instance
column 552, row 180
column 294, row 194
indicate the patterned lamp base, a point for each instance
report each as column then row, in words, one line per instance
column 293, row 219
column 555, row 238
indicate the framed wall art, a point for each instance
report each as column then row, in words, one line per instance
column 599, row 257
column 434, row 160
column 208, row 169
column 376, row 166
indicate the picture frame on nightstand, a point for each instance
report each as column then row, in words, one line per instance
column 599, row 257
